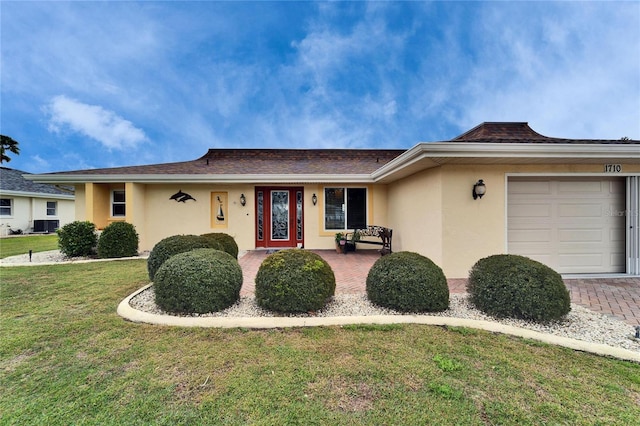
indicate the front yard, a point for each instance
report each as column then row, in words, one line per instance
column 67, row 358
column 12, row 246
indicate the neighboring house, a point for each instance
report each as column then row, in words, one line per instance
column 572, row 204
column 27, row 207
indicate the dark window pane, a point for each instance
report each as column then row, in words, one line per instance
column 118, row 210
column 334, row 208
column 356, row 208
column 118, row 197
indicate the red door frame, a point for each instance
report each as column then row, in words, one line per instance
column 266, row 241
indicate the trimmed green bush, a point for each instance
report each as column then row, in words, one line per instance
column 514, row 286
column 226, row 241
column 408, row 282
column 293, row 281
column 77, row 239
column 119, row 239
column 198, row 281
column 173, row 245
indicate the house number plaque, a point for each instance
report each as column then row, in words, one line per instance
column 612, row 168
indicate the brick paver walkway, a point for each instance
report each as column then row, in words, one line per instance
column 619, row 297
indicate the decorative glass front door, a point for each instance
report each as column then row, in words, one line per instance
column 279, row 217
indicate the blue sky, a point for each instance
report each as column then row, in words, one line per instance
column 105, row 84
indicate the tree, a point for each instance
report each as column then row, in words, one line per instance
column 8, row 144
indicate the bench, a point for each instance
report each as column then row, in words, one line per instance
column 378, row 235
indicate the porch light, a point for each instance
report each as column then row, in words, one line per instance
column 243, row 200
column 314, row 199
column 479, row 189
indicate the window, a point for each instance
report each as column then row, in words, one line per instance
column 118, row 203
column 6, row 205
column 345, row 208
column 52, row 208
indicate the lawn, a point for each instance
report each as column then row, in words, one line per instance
column 13, row 246
column 67, row 358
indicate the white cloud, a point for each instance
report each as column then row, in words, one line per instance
column 104, row 126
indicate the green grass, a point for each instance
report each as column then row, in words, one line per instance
column 67, row 358
column 13, row 246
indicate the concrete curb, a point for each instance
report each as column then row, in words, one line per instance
column 129, row 313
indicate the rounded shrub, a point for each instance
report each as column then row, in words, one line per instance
column 198, row 281
column 408, row 282
column 173, row 245
column 507, row 285
column 77, row 239
column 293, row 281
column 226, row 241
column 119, row 239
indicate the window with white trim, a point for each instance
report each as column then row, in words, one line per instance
column 345, row 208
column 52, row 208
column 6, row 207
column 118, row 203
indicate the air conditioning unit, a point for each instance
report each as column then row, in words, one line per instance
column 45, row 226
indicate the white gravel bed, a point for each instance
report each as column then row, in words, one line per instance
column 581, row 323
column 51, row 257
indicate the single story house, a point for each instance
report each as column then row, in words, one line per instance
column 28, row 207
column 570, row 203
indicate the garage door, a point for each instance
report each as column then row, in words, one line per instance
column 573, row 225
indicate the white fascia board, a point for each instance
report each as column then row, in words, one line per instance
column 434, row 150
column 37, row 195
column 203, row 178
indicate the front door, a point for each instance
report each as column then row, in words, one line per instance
column 279, row 217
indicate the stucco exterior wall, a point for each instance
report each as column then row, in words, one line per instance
column 433, row 213
column 164, row 217
column 415, row 214
column 26, row 209
column 471, row 229
column 80, row 204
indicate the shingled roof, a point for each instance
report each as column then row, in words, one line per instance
column 516, row 132
column 13, row 180
column 264, row 162
column 517, row 142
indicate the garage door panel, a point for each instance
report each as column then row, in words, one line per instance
column 580, row 261
column 524, row 188
column 579, row 210
column 567, row 223
column 531, row 210
column 580, row 235
column 580, row 188
column 532, row 235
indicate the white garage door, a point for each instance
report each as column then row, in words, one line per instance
column 573, row 225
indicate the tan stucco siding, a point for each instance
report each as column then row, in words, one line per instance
column 471, row 229
column 415, row 214
column 98, row 204
column 164, row 217
column 80, row 203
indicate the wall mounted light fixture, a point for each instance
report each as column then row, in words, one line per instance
column 479, row 189
column 314, row 199
column 243, row 200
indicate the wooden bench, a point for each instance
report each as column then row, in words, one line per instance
column 377, row 235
